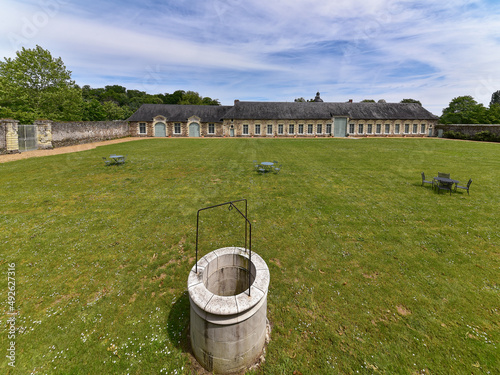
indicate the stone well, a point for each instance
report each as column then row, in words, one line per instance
column 227, row 326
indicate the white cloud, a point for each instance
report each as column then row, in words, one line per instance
column 427, row 50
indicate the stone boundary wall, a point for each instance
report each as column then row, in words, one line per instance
column 72, row 133
column 469, row 129
column 8, row 136
column 3, row 139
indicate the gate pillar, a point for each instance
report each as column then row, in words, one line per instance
column 44, row 134
column 11, row 136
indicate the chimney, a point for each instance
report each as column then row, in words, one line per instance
column 236, row 101
column 350, row 100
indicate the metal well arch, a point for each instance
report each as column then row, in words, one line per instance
column 248, row 232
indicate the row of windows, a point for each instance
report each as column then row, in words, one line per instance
column 387, row 129
column 310, row 129
column 291, row 129
column 177, row 128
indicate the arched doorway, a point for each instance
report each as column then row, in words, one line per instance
column 160, row 129
column 194, row 129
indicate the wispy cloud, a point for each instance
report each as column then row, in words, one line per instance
column 271, row 50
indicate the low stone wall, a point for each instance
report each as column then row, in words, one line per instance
column 3, row 139
column 72, row 133
column 467, row 129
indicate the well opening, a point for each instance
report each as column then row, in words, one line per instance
column 228, row 275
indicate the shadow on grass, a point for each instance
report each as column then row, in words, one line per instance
column 178, row 332
column 178, row 324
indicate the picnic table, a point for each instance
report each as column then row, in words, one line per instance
column 267, row 166
column 118, row 159
column 445, row 183
column 115, row 159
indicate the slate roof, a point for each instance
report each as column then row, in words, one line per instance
column 284, row 111
column 180, row 113
column 319, row 110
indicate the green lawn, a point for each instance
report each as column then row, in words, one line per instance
column 371, row 273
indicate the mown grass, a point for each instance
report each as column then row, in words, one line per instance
column 370, row 272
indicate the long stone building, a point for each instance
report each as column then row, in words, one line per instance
column 283, row 119
column 243, row 119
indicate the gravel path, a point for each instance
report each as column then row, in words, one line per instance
column 63, row 150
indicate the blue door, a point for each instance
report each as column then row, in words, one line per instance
column 160, row 129
column 194, row 129
column 340, row 127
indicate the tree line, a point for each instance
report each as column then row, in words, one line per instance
column 117, row 103
column 35, row 85
column 466, row 110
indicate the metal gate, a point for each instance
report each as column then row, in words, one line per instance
column 27, row 137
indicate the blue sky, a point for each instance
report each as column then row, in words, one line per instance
column 270, row 50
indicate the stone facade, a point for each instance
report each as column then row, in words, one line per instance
column 272, row 128
column 324, row 128
column 284, row 119
column 174, row 128
column 9, row 141
column 390, row 128
column 3, row 137
column 44, row 134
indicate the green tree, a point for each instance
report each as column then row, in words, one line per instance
column 36, row 85
column 93, row 110
column 174, row 98
column 117, row 94
column 185, row 97
column 411, row 101
column 368, row 101
column 302, row 100
column 192, row 97
column 137, row 100
column 114, row 112
column 22, row 117
column 495, row 98
column 464, row 110
column 494, row 114
column 209, row 101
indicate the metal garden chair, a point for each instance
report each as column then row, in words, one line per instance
column 424, row 181
column 464, row 187
column 258, row 167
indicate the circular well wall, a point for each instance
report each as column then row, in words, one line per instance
column 227, row 326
